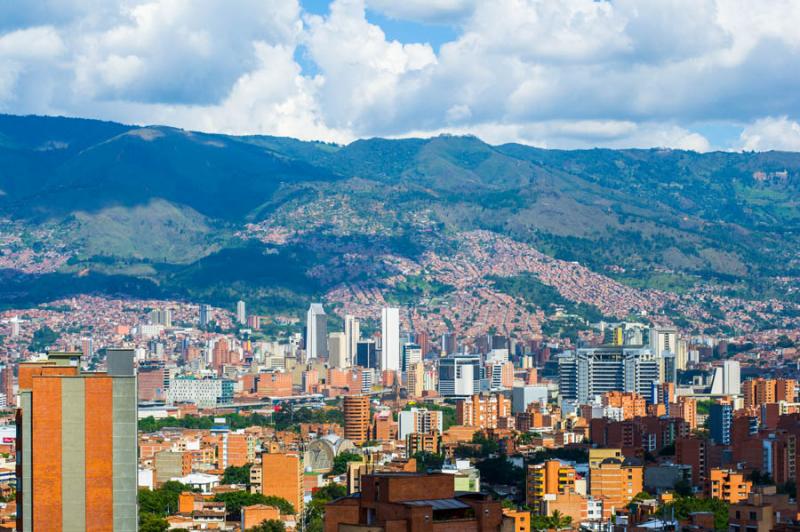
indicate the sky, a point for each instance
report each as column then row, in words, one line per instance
column 686, row 74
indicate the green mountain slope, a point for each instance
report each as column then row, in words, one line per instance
column 202, row 215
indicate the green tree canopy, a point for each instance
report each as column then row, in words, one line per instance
column 237, row 475
column 341, row 460
column 234, row 500
column 269, row 525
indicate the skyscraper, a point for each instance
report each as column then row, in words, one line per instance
column 241, row 312
column 366, row 354
column 720, row 419
column 352, row 333
column 316, row 332
column 411, row 355
column 76, row 439
column 390, row 339
column 337, row 350
column 205, row 315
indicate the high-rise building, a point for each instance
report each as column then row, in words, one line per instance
column 411, row 355
column 77, row 447
column 356, row 418
column 205, row 315
column 720, row 421
column 316, row 332
column 15, row 329
column 757, row 392
column 337, row 350
column 588, row 372
column 7, row 384
column 727, row 379
column 423, row 340
column 366, row 354
column 460, row 375
column 282, row 476
column 449, row 344
column 352, row 333
column 241, row 312
column 415, row 380
column 390, row 339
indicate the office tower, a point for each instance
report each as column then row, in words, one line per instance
column 588, row 372
column 205, row 315
column 482, row 410
column 633, row 336
column 337, row 350
column 720, row 420
column 522, row 396
column 352, row 333
column 411, row 355
column 390, row 339
column 500, row 375
column 316, row 332
column 460, row 375
column 356, row 418
column 282, row 476
column 418, row 420
column 449, row 343
column 76, row 439
column 670, row 365
column 366, row 354
column 241, row 312
column 726, row 380
column 415, row 380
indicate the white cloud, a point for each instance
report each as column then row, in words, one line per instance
column 771, row 134
column 565, row 73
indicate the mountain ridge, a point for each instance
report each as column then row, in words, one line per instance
column 155, row 201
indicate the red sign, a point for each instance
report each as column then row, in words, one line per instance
column 9, row 440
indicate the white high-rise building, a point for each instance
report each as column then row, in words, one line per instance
column 205, row 315
column 316, row 332
column 663, row 340
column 14, row 326
column 390, row 339
column 241, row 312
column 727, row 379
column 352, row 332
column 337, row 350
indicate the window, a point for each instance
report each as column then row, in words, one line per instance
column 753, row 516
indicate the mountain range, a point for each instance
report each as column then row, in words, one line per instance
column 91, row 206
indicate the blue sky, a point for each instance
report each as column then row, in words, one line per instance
column 687, row 74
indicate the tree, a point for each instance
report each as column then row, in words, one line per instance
column 269, row 525
column 316, row 508
column 42, row 339
column 237, row 475
column 426, row 461
column 341, row 460
column 162, row 501
column 152, row 523
column 683, row 506
column 683, row 488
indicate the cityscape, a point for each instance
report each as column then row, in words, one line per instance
column 400, row 266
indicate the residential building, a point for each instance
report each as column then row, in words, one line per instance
column 616, row 482
column 420, row 420
column 549, row 478
column 482, row 411
column 241, row 313
column 727, row 485
column 720, row 420
column 77, row 445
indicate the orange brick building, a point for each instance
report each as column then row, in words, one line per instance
column 482, row 410
column 282, row 476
